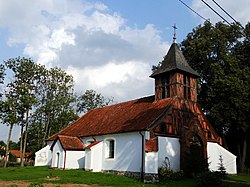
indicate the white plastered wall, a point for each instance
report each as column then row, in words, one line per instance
column 127, row 152
column 169, row 148
column 151, row 162
column 43, row 156
column 75, row 159
column 214, row 151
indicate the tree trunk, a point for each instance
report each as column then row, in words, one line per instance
column 25, row 138
column 7, row 146
column 21, row 141
column 46, row 130
column 243, row 155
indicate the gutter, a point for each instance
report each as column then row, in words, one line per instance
column 142, row 155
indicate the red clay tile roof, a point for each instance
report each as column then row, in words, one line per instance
column 91, row 145
column 70, row 143
column 135, row 115
column 17, row 153
column 152, row 145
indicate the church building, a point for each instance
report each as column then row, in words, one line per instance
column 137, row 137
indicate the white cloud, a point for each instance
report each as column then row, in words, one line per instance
column 113, row 79
column 92, row 43
column 239, row 10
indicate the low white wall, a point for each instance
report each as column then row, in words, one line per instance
column 88, row 159
column 97, row 157
column 75, row 159
column 43, row 156
column 169, row 148
column 151, row 162
column 214, row 151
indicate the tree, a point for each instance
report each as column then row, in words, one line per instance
column 220, row 54
column 91, row 100
column 9, row 117
column 55, row 110
column 20, row 93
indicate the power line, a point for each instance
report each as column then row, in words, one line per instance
column 233, row 26
column 228, row 14
column 193, row 10
column 216, row 12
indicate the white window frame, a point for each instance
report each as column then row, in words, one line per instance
column 107, row 148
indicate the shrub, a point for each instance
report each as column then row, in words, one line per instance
column 168, row 174
column 35, row 185
column 209, row 179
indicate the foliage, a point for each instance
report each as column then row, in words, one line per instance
column 41, row 101
column 220, row 53
column 91, row 100
column 166, row 173
column 12, row 157
column 55, row 109
column 209, row 179
column 2, row 147
column 35, row 185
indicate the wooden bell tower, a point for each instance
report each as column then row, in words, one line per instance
column 175, row 77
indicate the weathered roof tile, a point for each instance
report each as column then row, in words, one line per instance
column 135, row 115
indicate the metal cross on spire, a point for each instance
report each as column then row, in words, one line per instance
column 174, row 38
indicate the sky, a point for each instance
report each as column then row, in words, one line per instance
column 107, row 45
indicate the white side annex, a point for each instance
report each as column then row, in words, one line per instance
column 43, row 156
column 214, row 152
column 67, row 159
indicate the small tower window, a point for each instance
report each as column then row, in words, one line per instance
column 165, row 87
column 186, row 87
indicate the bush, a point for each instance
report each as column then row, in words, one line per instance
column 168, row 174
column 209, row 179
column 35, row 185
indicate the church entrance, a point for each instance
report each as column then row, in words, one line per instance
column 195, row 159
column 193, row 152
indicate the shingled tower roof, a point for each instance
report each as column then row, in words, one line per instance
column 174, row 61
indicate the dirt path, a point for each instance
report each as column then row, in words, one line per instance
column 25, row 184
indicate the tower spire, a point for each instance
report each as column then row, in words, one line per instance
column 174, row 38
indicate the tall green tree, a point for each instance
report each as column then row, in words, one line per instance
column 56, row 105
column 91, row 100
column 220, row 53
column 9, row 117
column 22, row 88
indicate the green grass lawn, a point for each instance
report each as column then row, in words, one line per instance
column 40, row 174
